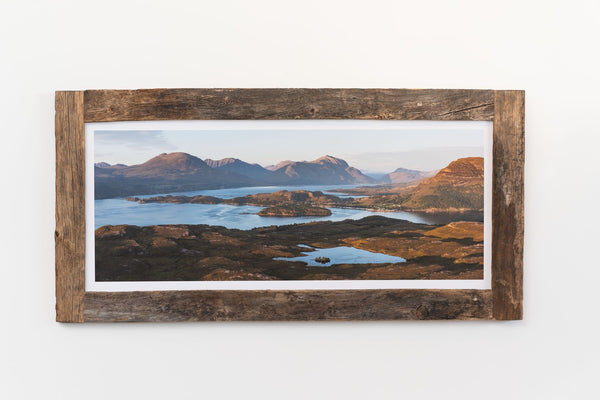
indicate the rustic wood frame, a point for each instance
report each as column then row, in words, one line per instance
column 502, row 302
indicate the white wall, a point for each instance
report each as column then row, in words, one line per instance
column 548, row 48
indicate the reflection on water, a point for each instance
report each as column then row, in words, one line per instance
column 120, row 211
column 342, row 255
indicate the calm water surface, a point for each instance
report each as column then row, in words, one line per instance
column 244, row 191
column 342, row 255
column 120, row 211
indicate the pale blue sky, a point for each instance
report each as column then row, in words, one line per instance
column 368, row 150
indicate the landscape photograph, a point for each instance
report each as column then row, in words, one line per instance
column 288, row 204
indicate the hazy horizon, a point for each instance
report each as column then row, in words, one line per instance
column 371, row 151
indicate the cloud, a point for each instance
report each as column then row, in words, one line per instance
column 130, row 147
column 139, row 140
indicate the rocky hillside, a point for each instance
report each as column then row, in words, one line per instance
column 205, row 253
column 459, row 185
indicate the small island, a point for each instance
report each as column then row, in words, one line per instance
column 294, row 210
column 177, row 199
column 257, row 199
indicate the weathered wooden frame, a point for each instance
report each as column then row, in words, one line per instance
column 502, row 302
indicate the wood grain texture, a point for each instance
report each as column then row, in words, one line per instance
column 240, row 104
column 70, row 206
column 175, row 306
column 504, row 301
column 507, row 204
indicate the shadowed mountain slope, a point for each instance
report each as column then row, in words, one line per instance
column 179, row 172
column 173, row 172
column 326, row 170
column 253, row 171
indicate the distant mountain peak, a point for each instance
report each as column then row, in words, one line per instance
column 463, row 167
column 177, row 161
column 280, row 164
column 405, row 175
column 222, row 162
column 326, row 170
column 253, row 171
column 327, row 159
column 406, row 170
column 177, row 155
column 106, row 165
column 167, row 172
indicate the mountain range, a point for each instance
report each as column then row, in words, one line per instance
column 403, row 175
column 458, row 186
column 173, row 172
column 180, row 172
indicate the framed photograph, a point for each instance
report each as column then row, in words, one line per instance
column 289, row 204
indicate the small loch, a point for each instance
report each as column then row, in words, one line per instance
column 341, row 255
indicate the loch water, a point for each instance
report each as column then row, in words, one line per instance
column 119, row 211
column 341, row 255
